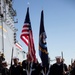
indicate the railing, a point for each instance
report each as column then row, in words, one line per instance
column 12, row 11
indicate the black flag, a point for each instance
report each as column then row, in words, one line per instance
column 42, row 43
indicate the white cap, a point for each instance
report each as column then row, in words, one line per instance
column 15, row 58
column 58, row 57
column 4, row 62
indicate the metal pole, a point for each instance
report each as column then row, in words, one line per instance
column 1, row 18
column 1, row 15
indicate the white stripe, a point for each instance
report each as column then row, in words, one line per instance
column 25, row 39
column 25, row 28
column 25, row 33
column 26, row 24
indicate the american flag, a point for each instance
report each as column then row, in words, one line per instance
column 27, row 37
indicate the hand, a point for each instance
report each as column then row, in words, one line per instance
column 65, row 72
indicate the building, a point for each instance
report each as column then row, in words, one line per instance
column 8, row 32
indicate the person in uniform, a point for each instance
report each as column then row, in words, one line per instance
column 36, row 68
column 0, row 63
column 5, row 70
column 15, row 69
column 2, row 58
column 65, row 68
column 58, row 68
column 26, row 65
column 72, row 72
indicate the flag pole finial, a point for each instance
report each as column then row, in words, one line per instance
column 28, row 4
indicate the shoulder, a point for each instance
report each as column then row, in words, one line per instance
column 24, row 61
column 65, row 64
column 55, row 64
column 11, row 66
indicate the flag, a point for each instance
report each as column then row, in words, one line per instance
column 27, row 37
column 42, row 43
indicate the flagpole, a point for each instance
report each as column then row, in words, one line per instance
column 28, row 48
column 29, row 54
column 28, row 4
column 45, row 70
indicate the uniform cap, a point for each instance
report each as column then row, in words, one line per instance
column 15, row 58
column 58, row 57
column 4, row 62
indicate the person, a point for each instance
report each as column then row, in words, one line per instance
column 15, row 69
column 26, row 65
column 65, row 68
column 1, row 59
column 72, row 72
column 36, row 68
column 5, row 70
column 57, row 68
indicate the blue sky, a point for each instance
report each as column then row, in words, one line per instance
column 59, row 22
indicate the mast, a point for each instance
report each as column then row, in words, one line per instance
column 2, row 33
column 1, row 19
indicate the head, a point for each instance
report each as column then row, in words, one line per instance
column 2, row 55
column 4, row 64
column 58, row 60
column 15, row 60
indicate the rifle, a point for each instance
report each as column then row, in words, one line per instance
column 62, row 62
column 11, row 59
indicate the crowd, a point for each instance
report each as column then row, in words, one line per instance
column 27, row 67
